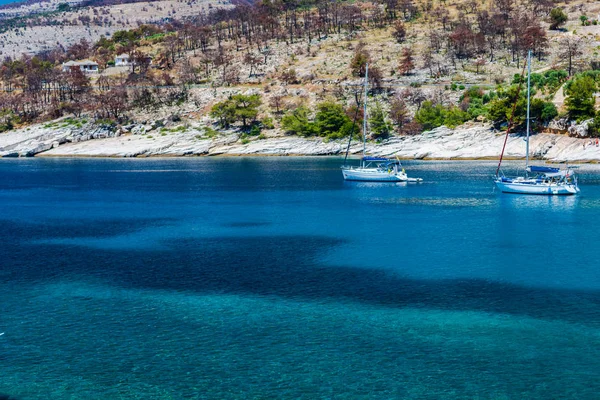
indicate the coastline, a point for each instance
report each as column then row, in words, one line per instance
column 476, row 141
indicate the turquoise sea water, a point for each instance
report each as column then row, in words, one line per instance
column 5, row 2
column 261, row 278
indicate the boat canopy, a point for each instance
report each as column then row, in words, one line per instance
column 544, row 170
column 558, row 174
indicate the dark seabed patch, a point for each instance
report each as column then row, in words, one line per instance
column 288, row 267
column 78, row 228
column 246, row 224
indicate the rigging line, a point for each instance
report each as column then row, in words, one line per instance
column 359, row 100
column 510, row 121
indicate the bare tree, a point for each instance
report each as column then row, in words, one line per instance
column 253, row 61
column 570, row 48
column 406, row 62
column 399, row 112
column 399, row 32
column 276, row 102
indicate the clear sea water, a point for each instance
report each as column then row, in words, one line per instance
column 263, row 278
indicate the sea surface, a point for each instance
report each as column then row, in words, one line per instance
column 272, row 278
column 5, row 2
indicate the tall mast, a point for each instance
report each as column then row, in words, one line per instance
column 365, row 110
column 528, row 101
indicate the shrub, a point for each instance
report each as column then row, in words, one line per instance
column 289, row 76
column 267, row 123
column 254, row 131
column 431, row 116
column 557, row 18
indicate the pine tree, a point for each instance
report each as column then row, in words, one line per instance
column 380, row 127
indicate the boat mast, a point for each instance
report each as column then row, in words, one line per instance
column 528, row 101
column 365, row 111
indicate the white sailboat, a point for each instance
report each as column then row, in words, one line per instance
column 375, row 169
column 542, row 180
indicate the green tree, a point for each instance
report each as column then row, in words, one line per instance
column 580, row 99
column 557, row 18
column 224, row 113
column 237, row 108
column 380, row 127
column 297, row 122
column 500, row 108
column 430, row 115
column 246, row 107
column 359, row 61
column 331, row 120
column 594, row 127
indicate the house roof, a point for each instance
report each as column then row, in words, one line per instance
column 123, row 55
column 79, row 63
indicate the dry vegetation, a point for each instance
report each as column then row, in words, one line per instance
column 293, row 56
column 45, row 28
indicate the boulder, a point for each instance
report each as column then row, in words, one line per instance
column 138, row 130
column 559, row 124
column 580, row 130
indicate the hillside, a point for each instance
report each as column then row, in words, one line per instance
column 274, row 69
column 38, row 27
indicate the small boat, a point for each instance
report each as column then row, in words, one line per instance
column 378, row 169
column 542, row 180
column 374, row 169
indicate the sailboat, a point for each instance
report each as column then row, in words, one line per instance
column 375, row 169
column 543, row 180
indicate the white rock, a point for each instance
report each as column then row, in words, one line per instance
column 580, row 130
column 467, row 142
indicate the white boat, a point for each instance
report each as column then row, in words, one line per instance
column 378, row 169
column 542, row 180
column 374, row 169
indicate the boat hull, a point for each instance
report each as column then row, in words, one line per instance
column 376, row 175
column 548, row 189
column 373, row 175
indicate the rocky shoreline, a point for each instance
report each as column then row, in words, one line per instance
column 475, row 141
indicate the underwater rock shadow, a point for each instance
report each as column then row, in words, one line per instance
column 246, row 224
column 288, row 267
column 77, row 228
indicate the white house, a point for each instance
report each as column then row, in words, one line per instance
column 122, row 60
column 85, row 66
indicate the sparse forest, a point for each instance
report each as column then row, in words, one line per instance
column 272, row 46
